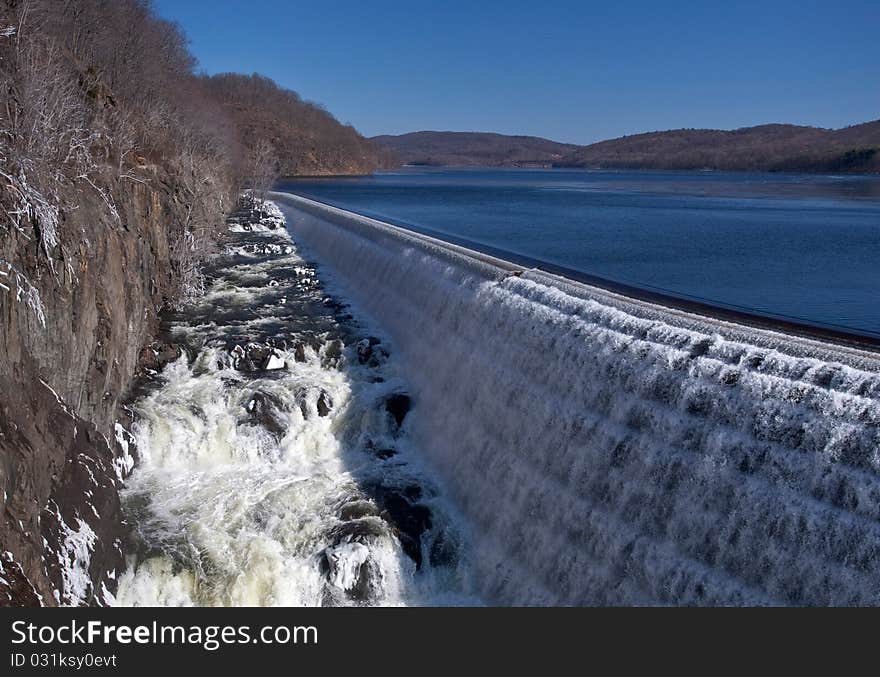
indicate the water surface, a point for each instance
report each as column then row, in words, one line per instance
column 798, row 246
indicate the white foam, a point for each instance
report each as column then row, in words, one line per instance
column 247, row 517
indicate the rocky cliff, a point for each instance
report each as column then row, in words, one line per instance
column 64, row 375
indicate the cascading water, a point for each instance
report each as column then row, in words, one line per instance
column 608, row 451
column 275, row 465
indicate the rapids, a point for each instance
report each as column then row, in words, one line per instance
column 275, row 465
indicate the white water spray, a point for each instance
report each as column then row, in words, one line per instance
column 273, row 474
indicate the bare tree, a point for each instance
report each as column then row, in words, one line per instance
column 262, row 168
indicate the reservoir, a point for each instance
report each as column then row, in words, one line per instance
column 797, row 247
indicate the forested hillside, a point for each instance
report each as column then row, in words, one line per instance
column 763, row 148
column 301, row 137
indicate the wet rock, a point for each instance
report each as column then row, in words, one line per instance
column 256, row 357
column 279, row 343
column 241, row 360
column 158, row 354
column 357, row 509
column 370, row 353
column 385, row 454
column 332, row 354
column 398, row 405
column 148, row 360
column 755, row 361
column 730, row 378
column 258, row 354
column 413, row 492
column 360, row 530
column 236, row 356
column 700, row 347
column 299, row 352
column 265, row 409
column 274, row 361
column 305, row 397
column 346, row 563
column 444, row 550
column 334, row 304
column 378, row 357
column 364, row 351
column 345, row 566
column 325, row 403
column 405, row 515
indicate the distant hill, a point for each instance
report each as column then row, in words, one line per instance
column 463, row 149
column 762, row 148
column 775, row 147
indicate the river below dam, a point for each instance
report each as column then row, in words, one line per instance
column 275, row 466
column 360, row 414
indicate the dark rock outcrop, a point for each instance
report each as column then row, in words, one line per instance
column 62, row 385
column 398, row 405
column 408, row 517
column 266, row 410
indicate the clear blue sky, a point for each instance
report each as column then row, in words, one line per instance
column 572, row 71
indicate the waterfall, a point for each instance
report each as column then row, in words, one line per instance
column 609, row 451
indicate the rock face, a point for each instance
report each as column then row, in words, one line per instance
column 62, row 456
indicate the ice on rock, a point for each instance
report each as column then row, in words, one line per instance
column 344, row 562
column 275, row 362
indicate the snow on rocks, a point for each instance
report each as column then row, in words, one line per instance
column 344, row 563
column 254, row 357
column 275, row 361
column 256, row 215
column 75, row 552
column 123, row 463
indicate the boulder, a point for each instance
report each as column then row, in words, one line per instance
column 299, row 352
column 398, row 405
column 265, row 409
column 357, row 509
column 402, row 511
column 325, row 403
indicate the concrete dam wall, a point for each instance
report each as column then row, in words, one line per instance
column 606, row 450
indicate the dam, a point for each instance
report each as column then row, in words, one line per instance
column 603, row 449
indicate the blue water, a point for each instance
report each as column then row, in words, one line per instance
column 799, row 246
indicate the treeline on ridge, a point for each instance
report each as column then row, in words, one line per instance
column 305, row 138
column 775, row 147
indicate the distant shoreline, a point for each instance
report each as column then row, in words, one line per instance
column 680, row 170
column 514, row 168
